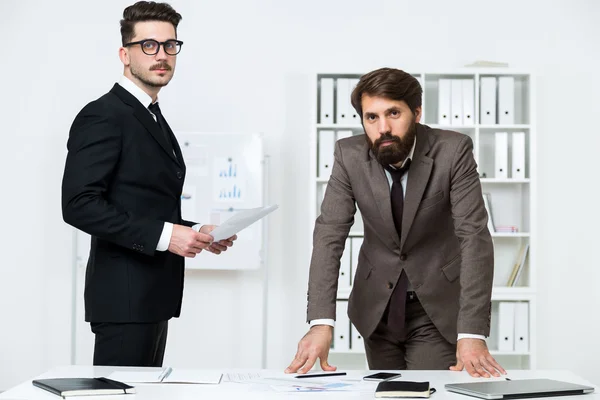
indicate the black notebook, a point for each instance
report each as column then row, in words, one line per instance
column 393, row 389
column 66, row 387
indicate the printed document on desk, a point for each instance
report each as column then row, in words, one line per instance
column 168, row 375
column 281, row 382
column 238, row 222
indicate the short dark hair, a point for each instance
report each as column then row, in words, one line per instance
column 146, row 11
column 393, row 84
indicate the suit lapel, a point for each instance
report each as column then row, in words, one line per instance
column 381, row 192
column 176, row 148
column 418, row 178
column 144, row 116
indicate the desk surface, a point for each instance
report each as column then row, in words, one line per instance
column 233, row 390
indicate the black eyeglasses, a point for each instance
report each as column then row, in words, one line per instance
column 152, row 47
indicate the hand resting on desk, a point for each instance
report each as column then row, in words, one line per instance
column 474, row 355
column 315, row 344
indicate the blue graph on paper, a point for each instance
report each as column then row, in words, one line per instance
column 230, row 170
column 229, row 180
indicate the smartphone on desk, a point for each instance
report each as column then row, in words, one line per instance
column 382, row 376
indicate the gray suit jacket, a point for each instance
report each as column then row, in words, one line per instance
column 446, row 248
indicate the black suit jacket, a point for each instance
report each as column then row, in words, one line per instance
column 121, row 183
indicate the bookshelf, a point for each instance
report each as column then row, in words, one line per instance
column 510, row 194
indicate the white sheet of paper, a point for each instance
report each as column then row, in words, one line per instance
column 136, row 376
column 239, row 221
column 193, row 376
column 176, row 376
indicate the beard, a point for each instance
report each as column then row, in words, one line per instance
column 147, row 79
column 399, row 148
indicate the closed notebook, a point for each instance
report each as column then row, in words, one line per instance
column 66, row 387
column 393, row 389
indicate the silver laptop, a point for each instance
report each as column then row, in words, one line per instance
column 518, row 389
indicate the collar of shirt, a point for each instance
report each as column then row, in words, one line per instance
column 136, row 91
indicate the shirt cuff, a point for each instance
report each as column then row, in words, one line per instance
column 470, row 336
column 165, row 237
column 324, row 321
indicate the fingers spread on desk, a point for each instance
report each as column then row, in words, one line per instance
column 485, row 363
column 297, row 362
column 496, row 365
column 312, row 359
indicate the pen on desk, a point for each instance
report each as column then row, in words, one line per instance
column 165, row 374
column 320, row 375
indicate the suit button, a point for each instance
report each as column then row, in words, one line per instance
column 179, row 175
column 403, row 257
column 390, row 285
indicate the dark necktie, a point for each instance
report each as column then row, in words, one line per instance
column 397, row 307
column 155, row 109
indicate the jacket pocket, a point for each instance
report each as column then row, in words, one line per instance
column 364, row 267
column 452, row 268
column 431, row 200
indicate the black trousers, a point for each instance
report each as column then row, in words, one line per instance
column 135, row 344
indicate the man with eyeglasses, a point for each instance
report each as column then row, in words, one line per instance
column 122, row 184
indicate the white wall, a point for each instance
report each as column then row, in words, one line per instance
column 245, row 67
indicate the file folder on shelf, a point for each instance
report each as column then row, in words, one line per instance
column 342, row 101
column 326, row 145
column 488, row 101
column 501, row 159
column 444, row 101
column 354, row 118
column 518, row 155
column 457, row 102
column 468, row 102
column 506, row 326
column 506, row 100
column 326, row 99
column 522, row 327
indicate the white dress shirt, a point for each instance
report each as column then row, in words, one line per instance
column 331, row 322
column 146, row 100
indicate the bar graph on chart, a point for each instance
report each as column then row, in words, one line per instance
column 229, row 180
column 229, row 170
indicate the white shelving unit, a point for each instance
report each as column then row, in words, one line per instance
column 511, row 199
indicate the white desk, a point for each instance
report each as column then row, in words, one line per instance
column 230, row 390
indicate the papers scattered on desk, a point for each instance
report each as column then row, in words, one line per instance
column 287, row 383
column 241, row 377
column 168, row 375
column 328, row 387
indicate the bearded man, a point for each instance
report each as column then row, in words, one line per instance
column 421, row 294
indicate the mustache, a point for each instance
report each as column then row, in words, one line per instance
column 388, row 137
column 160, row 66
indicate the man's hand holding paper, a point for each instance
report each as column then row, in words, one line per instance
column 226, row 232
column 220, row 246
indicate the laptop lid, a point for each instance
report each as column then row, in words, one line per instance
column 518, row 389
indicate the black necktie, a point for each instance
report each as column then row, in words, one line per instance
column 155, row 109
column 397, row 307
column 397, row 195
